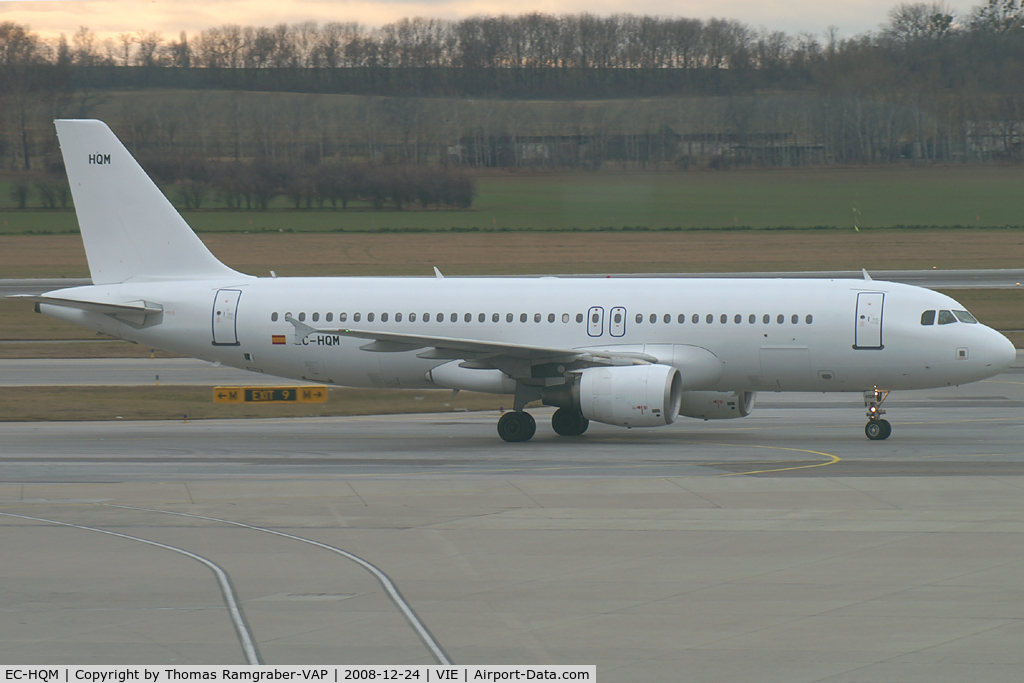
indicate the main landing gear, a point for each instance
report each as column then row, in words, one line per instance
column 517, row 426
column 520, row 426
column 876, row 429
column 569, row 422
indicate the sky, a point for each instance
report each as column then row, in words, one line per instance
column 107, row 18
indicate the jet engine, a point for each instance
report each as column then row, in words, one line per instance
column 626, row 396
column 717, row 405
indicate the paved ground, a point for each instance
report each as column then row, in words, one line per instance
column 780, row 547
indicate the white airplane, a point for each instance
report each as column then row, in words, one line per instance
column 632, row 352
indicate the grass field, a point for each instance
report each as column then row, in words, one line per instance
column 23, row 256
column 784, row 198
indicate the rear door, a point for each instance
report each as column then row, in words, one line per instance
column 868, row 333
column 225, row 311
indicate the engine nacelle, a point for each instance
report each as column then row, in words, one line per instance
column 629, row 395
column 717, row 405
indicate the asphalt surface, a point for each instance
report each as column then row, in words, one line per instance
column 780, row 547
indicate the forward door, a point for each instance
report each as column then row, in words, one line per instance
column 869, row 320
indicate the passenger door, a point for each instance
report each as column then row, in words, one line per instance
column 869, row 320
column 225, row 310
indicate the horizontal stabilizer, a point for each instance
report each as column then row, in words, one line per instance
column 130, row 307
column 137, row 314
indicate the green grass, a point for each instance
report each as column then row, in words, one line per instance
column 792, row 198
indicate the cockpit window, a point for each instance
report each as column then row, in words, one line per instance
column 946, row 317
column 928, row 318
column 965, row 317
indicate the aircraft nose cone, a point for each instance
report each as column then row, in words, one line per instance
column 1002, row 352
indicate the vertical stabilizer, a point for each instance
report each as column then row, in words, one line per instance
column 130, row 230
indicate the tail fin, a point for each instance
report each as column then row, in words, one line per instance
column 130, row 230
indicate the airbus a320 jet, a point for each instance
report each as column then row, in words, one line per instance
column 632, row 352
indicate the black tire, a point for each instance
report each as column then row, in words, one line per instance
column 569, row 422
column 875, row 430
column 887, row 429
column 516, row 427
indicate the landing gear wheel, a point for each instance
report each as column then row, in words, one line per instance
column 515, row 427
column 568, row 422
column 878, row 430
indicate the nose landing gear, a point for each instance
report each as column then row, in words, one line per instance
column 876, row 429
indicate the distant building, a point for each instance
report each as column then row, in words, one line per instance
column 988, row 140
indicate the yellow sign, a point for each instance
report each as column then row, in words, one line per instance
column 270, row 394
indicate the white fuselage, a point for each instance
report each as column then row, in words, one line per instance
column 769, row 335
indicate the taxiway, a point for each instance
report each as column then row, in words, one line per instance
column 781, row 547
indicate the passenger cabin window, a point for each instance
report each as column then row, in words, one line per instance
column 383, row 317
column 369, row 317
column 356, row 316
column 273, row 317
column 342, row 317
column 928, row 318
column 639, row 317
column 946, row 317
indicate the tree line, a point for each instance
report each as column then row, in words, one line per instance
column 929, row 85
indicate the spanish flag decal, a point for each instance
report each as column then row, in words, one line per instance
column 277, row 338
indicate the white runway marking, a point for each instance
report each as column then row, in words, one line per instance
column 248, row 645
column 383, row 578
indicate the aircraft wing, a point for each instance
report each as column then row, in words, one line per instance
column 516, row 360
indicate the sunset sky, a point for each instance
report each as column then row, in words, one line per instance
column 110, row 17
